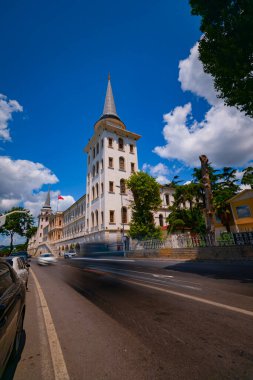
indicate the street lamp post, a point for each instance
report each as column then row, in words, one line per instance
column 122, row 222
column 3, row 217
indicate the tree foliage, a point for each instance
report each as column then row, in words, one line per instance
column 247, row 178
column 146, row 200
column 18, row 223
column 226, row 48
column 186, row 211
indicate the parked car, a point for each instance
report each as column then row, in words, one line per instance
column 24, row 254
column 20, row 268
column 46, row 259
column 12, row 313
column 69, row 255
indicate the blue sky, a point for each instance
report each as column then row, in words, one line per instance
column 53, row 76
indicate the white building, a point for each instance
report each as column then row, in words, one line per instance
column 111, row 159
column 103, row 214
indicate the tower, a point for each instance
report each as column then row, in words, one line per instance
column 111, row 159
column 43, row 218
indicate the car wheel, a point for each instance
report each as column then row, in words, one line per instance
column 18, row 336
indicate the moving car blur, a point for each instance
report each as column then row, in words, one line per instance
column 12, row 313
column 46, row 259
column 69, row 255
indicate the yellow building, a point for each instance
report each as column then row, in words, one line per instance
column 242, row 210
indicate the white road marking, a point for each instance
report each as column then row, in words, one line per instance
column 162, row 276
column 59, row 365
column 198, row 299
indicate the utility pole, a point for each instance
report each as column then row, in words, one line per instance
column 208, row 193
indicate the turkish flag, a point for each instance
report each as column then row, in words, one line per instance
column 60, row 197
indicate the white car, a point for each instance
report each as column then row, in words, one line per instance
column 46, row 259
column 69, row 255
column 20, row 268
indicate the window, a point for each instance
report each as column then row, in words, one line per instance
column 110, row 162
column 131, row 148
column 123, row 215
column 122, row 186
column 111, row 216
column 110, row 142
column 97, row 148
column 97, row 191
column 132, row 167
column 46, row 219
column 102, row 165
column 88, row 198
column 92, row 219
column 243, row 211
column 102, row 188
column 93, row 171
column 97, row 167
column 161, row 220
column 102, row 217
column 102, row 143
column 59, row 222
column 96, row 213
column 93, row 193
column 111, row 187
column 121, row 163
column 94, row 152
column 5, row 278
column 88, row 159
column 121, row 143
column 167, row 199
column 42, row 219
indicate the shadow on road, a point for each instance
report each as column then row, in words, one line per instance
column 242, row 272
column 12, row 364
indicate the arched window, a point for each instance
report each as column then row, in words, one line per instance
column 96, row 213
column 123, row 215
column 121, row 143
column 97, row 191
column 97, row 148
column 161, row 220
column 93, row 193
column 92, row 219
column 167, row 199
column 122, row 186
column 121, row 163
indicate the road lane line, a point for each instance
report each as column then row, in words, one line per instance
column 198, row 299
column 59, row 365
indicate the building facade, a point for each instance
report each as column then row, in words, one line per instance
column 103, row 214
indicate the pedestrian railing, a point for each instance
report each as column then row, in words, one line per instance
column 196, row 240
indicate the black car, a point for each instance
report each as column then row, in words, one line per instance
column 12, row 313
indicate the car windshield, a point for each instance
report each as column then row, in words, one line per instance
column 47, row 255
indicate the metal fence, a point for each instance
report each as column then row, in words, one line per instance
column 197, row 240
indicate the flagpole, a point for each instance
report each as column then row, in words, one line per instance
column 57, row 203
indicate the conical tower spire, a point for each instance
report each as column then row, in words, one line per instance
column 109, row 106
column 47, row 202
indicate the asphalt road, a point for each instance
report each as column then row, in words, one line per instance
column 139, row 319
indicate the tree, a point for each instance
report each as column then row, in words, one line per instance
column 226, row 188
column 226, row 48
column 247, row 178
column 17, row 224
column 146, row 200
column 190, row 218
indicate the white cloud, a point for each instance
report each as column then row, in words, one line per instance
column 20, row 179
column 225, row 134
column 7, row 107
column 159, row 169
